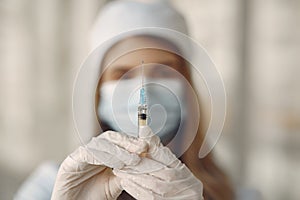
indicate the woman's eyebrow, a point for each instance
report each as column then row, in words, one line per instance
column 167, row 63
column 121, row 67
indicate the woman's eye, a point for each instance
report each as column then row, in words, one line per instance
column 162, row 73
column 116, row 75
column 122, row 74
column 127, row 75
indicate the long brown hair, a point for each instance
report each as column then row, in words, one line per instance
column 216, row 184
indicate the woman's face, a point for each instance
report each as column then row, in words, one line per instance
column 121, row 67
column 159, row 65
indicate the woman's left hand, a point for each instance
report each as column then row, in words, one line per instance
column 159, row 175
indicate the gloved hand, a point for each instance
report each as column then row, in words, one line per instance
column 87, row 172
column 159, row 175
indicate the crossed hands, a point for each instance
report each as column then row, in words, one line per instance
column 113, row 162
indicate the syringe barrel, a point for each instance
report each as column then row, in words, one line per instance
column 142, row 115
column 142, row 121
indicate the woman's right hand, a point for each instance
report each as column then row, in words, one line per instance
column 87, row 172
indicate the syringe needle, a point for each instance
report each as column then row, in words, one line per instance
column 142, row 73
column 142, row 108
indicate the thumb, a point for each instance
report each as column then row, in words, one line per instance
column 115, row 188
column 146, row 134
column 156, row 151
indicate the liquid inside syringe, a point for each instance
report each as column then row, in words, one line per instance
column 142, row 109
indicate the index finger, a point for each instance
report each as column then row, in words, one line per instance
column 127, row 142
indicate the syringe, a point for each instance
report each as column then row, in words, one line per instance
column 142, row 108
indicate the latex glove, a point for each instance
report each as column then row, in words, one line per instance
column 87, row 173
column 159, row 175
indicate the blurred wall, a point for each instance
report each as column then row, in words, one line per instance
column 42, row 44
column 255, row 45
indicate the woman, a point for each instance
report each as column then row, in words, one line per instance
column 214, row 181
column 117, row 165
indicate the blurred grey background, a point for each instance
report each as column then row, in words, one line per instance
column 255, row 44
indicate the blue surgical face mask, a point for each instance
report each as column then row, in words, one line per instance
column 166, row 106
